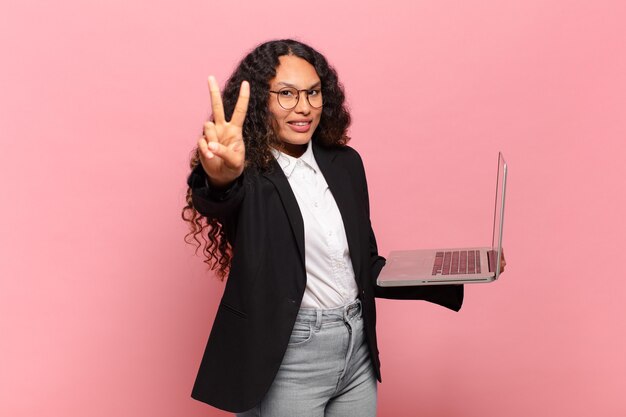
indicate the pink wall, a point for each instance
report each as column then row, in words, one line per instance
column 104, row 311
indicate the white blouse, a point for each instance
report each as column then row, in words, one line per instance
column 330, row 276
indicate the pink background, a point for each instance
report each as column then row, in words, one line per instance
column 104, row 311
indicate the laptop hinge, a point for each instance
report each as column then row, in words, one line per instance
column 491, row 257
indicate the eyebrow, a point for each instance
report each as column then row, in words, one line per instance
column 317, row 84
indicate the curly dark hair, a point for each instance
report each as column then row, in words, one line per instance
column 259, row 134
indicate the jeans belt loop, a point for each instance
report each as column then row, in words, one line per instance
column 318, row 319
column 350, row 310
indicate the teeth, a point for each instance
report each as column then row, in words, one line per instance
column 300, row 123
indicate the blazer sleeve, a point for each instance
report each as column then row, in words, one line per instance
column 214, row 202
column 449, row 296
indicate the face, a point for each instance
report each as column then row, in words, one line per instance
column 295, row 127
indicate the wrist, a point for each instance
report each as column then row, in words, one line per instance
column 220, row 184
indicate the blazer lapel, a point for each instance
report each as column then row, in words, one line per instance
column 278, row 178
column 338, row 180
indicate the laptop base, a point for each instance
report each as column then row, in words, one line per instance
column 422, row 267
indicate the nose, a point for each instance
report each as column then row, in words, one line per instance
column 303, row 105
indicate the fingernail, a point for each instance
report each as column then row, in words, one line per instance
column 213, row 146
column 209, row 155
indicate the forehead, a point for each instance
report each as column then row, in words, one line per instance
column 295, row 71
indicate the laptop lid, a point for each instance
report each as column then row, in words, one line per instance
column 498, row 216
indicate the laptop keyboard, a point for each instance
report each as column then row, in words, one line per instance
column 457, row 262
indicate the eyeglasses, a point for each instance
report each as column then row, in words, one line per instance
column 289, row 97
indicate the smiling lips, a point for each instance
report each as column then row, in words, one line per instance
column 300, row 126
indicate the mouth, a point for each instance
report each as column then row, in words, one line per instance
column 300, row 126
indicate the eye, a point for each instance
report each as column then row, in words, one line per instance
column 314, row 92
column 286, row 93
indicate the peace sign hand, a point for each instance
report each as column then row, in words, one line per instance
column 221, row 148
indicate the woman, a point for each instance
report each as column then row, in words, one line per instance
column 284, row 204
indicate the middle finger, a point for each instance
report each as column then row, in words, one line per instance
column 239, row 113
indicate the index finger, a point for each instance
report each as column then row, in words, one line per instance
column 241, row 108
column 216, row 101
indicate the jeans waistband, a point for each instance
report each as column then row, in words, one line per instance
column 320, row 316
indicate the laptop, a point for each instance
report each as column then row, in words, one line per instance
column 451, row 266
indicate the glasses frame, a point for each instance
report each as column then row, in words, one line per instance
column 306, row 91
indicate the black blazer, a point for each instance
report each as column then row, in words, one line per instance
column 267, row 279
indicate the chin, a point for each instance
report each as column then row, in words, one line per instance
column 296, row 140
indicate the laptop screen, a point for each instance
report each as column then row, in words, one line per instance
column 498, row 217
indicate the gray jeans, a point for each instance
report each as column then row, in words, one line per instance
column 326, row 371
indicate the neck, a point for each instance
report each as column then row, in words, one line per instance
column 292, row 149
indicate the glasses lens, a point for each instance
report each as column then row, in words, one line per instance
column 288, row 98
column 315, row 98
